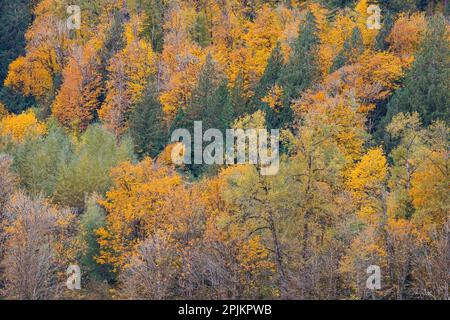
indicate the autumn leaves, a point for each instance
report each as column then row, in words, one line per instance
column 362, row 179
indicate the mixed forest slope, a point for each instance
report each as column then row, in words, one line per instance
column 87, row 179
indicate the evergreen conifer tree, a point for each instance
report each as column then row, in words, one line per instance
column 146, row 125
column 426, row 85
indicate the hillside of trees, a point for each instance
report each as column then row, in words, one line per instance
column 87, row 178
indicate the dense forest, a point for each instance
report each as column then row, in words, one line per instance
column 87, row 176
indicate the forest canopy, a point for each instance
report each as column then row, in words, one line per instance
column 87, row 177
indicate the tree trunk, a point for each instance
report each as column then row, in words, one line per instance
column 278, row 257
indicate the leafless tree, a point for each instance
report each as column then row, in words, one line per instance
column 432, row 272
column 150, row 273
column 8, row 181
column 31, row 261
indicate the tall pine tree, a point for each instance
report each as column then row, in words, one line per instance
column 239, row 100
column 202, row 34
column 302, row 68
column 155, row 11
column 268, row 81
column 146, row 124
column 210, row 100
column 270, row 77
column 15, row 17
column 385, row 30
column 353, row 47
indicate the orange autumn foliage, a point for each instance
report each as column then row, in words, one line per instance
column 129, row 72
column 406, row 35
column 79, row 96
column 181, row 62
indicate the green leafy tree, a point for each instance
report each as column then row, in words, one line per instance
column 91, row 220
column 89, row 169
column 49, row 154
column 406, row 157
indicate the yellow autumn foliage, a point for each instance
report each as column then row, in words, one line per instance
column 19, row 127
column 137, row 203
column 366, row 181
